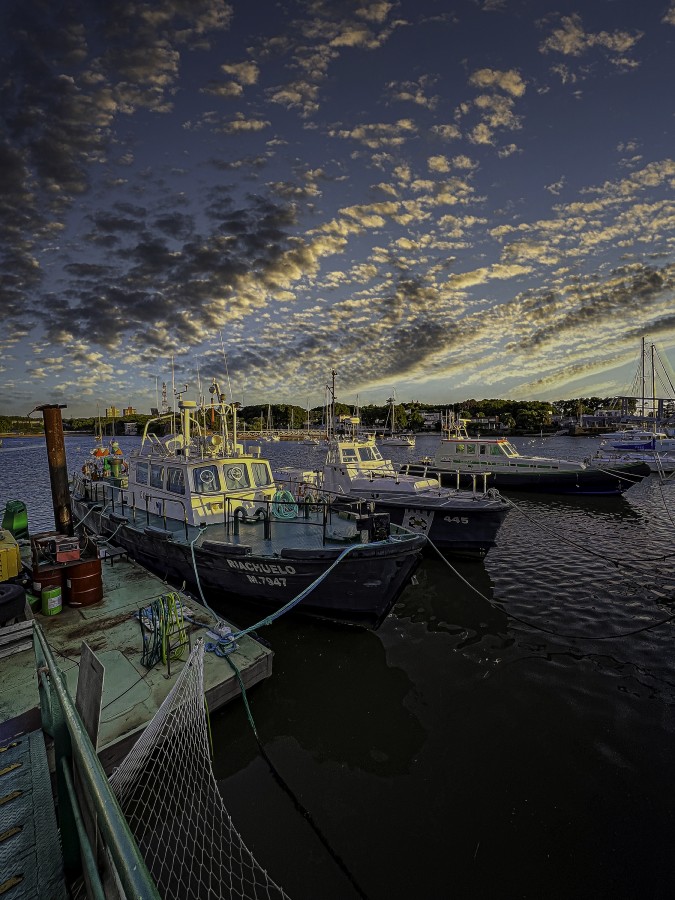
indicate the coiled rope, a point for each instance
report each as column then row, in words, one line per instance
column 160, row 621
column 284, row 505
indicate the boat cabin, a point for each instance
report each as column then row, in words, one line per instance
column 199, row 490
column 356, row 468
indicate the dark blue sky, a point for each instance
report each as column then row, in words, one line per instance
column 446, row 200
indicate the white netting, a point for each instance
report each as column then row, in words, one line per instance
column 170, row 798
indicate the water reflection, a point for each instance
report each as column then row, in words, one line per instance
column 454, row 598
column 335, row 695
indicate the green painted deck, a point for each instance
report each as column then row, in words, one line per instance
column 132, row 694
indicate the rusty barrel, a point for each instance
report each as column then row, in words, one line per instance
column 46, row 577
column 84, row 582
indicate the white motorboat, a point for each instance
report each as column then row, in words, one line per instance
column 457, row 521
column 460, row 455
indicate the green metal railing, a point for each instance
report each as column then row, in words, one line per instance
column 61, row 720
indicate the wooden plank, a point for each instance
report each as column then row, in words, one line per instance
column 19, row 647
column 90, row 691
column 18, row 629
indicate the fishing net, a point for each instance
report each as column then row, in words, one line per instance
column 170, row 798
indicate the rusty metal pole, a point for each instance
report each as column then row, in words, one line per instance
column 58, row 470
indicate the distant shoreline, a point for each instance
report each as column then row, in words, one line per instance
column 41, row 434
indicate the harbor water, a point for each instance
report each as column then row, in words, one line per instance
column 508, row 732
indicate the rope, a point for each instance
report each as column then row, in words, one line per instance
column 284, row 505
column 500, row 608
column 288, row 790
column 159, row 621
column 617, row 562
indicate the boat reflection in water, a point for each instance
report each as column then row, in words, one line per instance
column 456, row 599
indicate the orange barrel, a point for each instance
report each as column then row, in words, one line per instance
column 84, row 582
column 46, row 577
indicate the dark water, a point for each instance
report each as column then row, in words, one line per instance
column 509, row 732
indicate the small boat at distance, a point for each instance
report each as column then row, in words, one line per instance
column 395, row 439
column 194, row 507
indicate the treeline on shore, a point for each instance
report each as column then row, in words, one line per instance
column 512, row 414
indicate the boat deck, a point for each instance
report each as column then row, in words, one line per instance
column 132, row 694
column 297, row 531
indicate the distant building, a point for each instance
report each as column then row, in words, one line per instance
column 131, row 428
column 129, row 411
column 112, row 412
column 431, row 419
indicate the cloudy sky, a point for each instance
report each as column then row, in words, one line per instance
column 446, row 199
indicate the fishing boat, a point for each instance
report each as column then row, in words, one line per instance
column 194, row 507
column 459, row 455
column 454, row 520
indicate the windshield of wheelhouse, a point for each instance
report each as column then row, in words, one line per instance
column 206, row 480
column 236, row 476
column 369, row 454
column 508, row 449
column 262, row 474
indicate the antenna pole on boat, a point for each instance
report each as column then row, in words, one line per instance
column 331, row 423
column 58, row 471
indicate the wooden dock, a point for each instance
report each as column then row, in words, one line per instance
column 132, row 694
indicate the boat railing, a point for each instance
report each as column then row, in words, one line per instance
column 112, row 495
column 436, row 474
column 85, row 800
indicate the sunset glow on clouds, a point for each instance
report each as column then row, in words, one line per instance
column 476, row 203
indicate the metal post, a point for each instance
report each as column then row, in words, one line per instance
column 58, row 472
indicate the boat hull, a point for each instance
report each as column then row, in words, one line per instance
column 592, row 481
column 460, row 530
column 360, row 590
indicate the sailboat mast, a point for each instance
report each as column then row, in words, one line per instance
column 331, row 424
column 642, row 364
column 653, row 387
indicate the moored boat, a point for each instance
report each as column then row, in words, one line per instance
column 195, row 507
column 646, row 440
column 455, row 521
column 463, row 457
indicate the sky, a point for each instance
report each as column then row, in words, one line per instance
column 437, row 200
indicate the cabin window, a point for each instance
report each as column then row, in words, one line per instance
column 483, row 450
column 157, row 476
column 205, row 479
column 460, row 448
column 175, row 480
column 349, row 454
column 236, row 477
column 494, row 450
column 261, row 474
column 142, row 473
column 471, row 449
column 367, row 454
